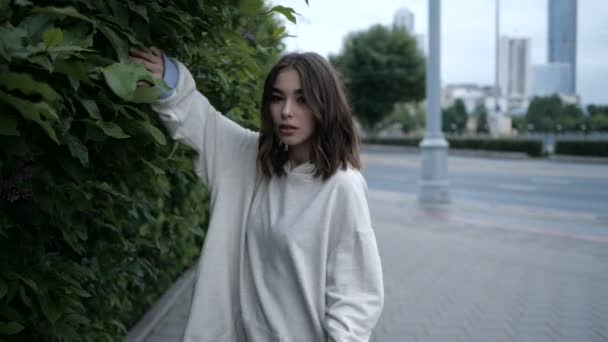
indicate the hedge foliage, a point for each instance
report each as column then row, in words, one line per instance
column 533, row 148
column 99, row 211
column 582, row 148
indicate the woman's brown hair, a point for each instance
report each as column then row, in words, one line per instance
column 334, row 143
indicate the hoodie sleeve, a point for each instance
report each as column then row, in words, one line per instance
column 219, row 142
column 354, row 289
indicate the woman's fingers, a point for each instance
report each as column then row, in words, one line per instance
column 147, row 55
column 143, row 83
column 156, row 51
column 151, row 59
column 152, row 67
column 155, row 69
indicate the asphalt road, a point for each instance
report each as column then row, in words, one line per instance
column 567, row 187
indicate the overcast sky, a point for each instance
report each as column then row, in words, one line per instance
column 467, row 34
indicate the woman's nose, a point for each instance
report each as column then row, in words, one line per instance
column 287, row 110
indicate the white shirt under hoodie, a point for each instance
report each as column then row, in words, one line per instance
column 289, row 259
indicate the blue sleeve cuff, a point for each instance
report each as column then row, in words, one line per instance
column 170, row 76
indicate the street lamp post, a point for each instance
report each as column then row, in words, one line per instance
column 433, row 186
column 496, row 117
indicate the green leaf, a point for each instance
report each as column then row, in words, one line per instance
column 77, row 148
column 78, row 35
column 122, row 79
column 27, row 85
column 108, row 188
column 36, row 25
column 157, row 170
column 29, row 282
column 10, row 328
column 52, row 37
column 72, row 239
column 120, row 45
column 50, row 310
column 74, row 69
column 82, row 293
column 112, row 129
column 43, row 61
column 156, row 133
column 13, row 43
column 278, row 32
column 39, row 112
column 141, row 10
column 146, row 94
column 91, row 107
column 8, row 126
column 119, row 325
column 65, row 11
column 3, row 288
column 288, row 12
column 73, row 169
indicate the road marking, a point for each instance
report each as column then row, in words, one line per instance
column 536, row 168
column 550, row 181
column 489, row 223
column 516, row 187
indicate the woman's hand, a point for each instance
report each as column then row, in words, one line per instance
column 151, row 59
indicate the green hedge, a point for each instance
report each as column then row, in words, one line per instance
column 582, row 148
column 531, row 147
column 99, row 211
column 393, row 141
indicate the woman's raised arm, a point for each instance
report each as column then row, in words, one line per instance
column 221, row 144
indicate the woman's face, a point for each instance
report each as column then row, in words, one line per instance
column 293, row 120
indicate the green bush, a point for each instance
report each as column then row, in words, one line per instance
column 531, row 147
column 393, row 141
column 582, row 148
column 99, row 211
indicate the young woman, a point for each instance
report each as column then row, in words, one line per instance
column 290, row 254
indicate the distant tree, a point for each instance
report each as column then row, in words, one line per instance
column 481, row 114
column 411, row 116
column 570, row 118
column 455, row 118
column 597, row 122
column 594, row 110
column 380, row 66
column 520, row 123
column 597, row 119
column 543, row 112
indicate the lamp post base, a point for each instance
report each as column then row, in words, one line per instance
column 434, row 186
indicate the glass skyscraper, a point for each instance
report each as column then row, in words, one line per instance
column 562, row 36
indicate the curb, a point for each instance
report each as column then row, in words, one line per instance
column 461, row 152
column 149, row 321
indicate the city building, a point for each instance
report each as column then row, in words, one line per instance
column 562, row 40
column 552, row 78
column 404, row 18
column 472, row 95
column 514, row 72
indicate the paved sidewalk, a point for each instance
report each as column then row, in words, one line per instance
column 467, row 272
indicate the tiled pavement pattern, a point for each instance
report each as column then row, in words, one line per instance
column 449, row 277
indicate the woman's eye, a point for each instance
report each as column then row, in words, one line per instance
column 275, row 98
column 301, row 100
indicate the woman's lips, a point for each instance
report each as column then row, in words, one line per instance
column 287, row 130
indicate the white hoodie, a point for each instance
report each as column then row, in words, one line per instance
column 285, row 259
